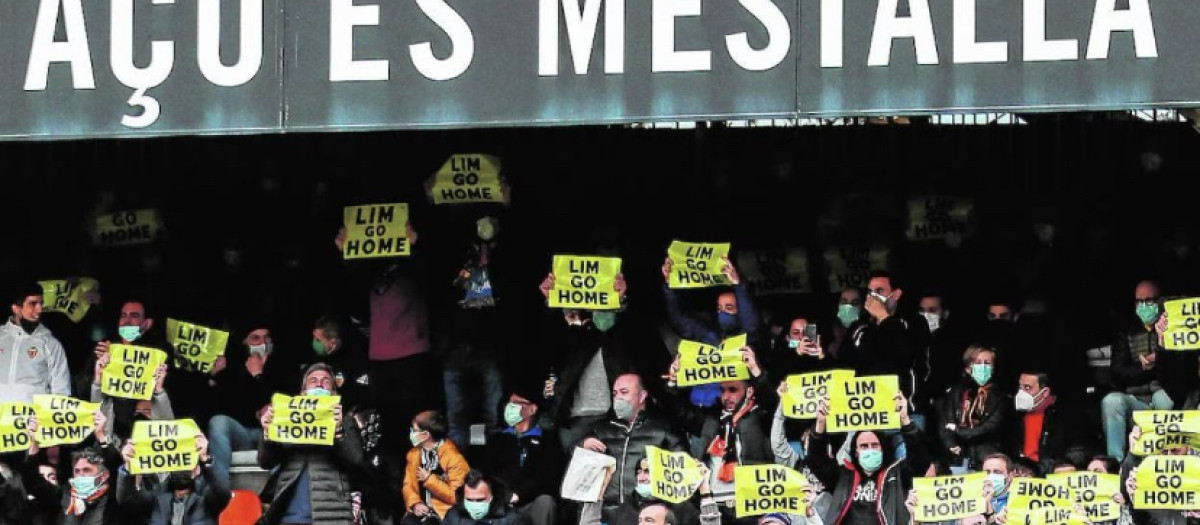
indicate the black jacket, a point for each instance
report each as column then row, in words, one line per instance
column 499, row 513
column 1126, row 370
column 753, row 430
column 240, row 395
column 987, row 436
column 894, row 480
column 540, row 471
column 887, row 348
column 627, row 443
column 329, row 472
column 202, row 507
column 1060, row 430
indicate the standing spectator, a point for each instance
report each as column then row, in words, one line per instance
column 312, row 484
column 528, row 458
column 1135, row 371
column 334, row 345
column 939, row 367
column 483, row 501
column 849, row 311
column 973, row 412
column 35, row 362
column 194, row 497
column 435, row 470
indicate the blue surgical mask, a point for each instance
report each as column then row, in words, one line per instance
column 317, row 392
column 84, row 486
column 848, row 313
column 1147, row 312
column 129, row 333
column 604, row 320
column 643, row 490
column 477, row 509
column 981, row 373
column 622, row 408
column 793, row 343
column 512, row 414
column 998, row 483
column 870, row 460
column 728, row 321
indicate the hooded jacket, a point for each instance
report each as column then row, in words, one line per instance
column 893, row 479
column 31, row 363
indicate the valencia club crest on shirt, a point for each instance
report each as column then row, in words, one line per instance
column 32, row 352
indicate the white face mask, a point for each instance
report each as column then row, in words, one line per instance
column 934, row 320
column 1025, row 401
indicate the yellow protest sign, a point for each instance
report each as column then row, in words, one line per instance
column 466, row 178
column 126, row 228
column 674, row 476
column 850, row 266
column 1150, row 444
column 948, row 498
column 696, row 265
column 763, row 489
column 863, row 403
column 63, row 420
column 701, row 364
column 775, row 272
column 1039, row 502
column 195, row 347
column 376, row 230
column 806, row 390
column 303, row 420
column 1093, row 492
column 68, row 296
column 164, row 446
column 130, row 371
column 937, row 217
column 585, row 282
column 1183, row 324
column 1164, row 430
column 13, row 419
column 1168, row 483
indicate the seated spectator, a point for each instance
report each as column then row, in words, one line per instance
column 1045, row 430
column 1134, row 370
column 435, row 470
column 312, row 484
column 483, row 501
column 529, row 459
column 973, row 412
column 244, row 390
column 195, row 498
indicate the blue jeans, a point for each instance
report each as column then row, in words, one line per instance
column 226, row 435
column 1115, row 409
column 456, row 379
column 897, row 439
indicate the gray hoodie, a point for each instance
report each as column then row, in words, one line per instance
column 31, row 364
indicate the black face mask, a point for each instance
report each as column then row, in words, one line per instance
column 28, row 326
column 181, row 481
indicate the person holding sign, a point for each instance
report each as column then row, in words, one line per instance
column 36, row 362
column 886, row 343
column 313, row 481
column 195, row 496
column 1161, row 489
column 972, row 412
column 869, row 487
column 122, row 413
column 1177, row 368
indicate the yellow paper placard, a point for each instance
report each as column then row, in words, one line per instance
column 164, row 446
column 1150, row 444
column 1183, row 324
column 863, row 403
column 763, row 489
column 13, row 419
column 936, row 217
column 585, row 282
column 376, row 230
column 697, row 265
column 771, row 272
column 303, row 420
column 1164, row 422
column 126, row 228
column 806, row 390
column 1094, row 492
column 849, row 266
column 1168, row 483
column 68, row 296
column 130, row 371
column 1039, row 502
column 63, row 420
column 466, row 178
column 195, row 347
column 947, row 498
column 674, row 476
column 700, row 364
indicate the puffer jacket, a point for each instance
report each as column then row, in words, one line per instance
column 329, row 472
column 442, row 484
column 893, row 481
column 627, row 444
column 31, row 364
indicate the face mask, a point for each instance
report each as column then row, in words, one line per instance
column 728, row 322
column 622, row 408
column 870, row 460
column 181, row 481
column 933, row 320
column 643, row 490
column 317, row 392
column 512, row 414
column 28, row 326
column 603, row 321
column 319, row 347
column 84, row 486
column 998, row 482
column 485, row 228
column 981, row 373
column 414, row 437
column 1147, row 312
column 129, row 333
column 847, row 314
column 260, row 350
column 1024, row 401
column 477, row 509
column 793, row 343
